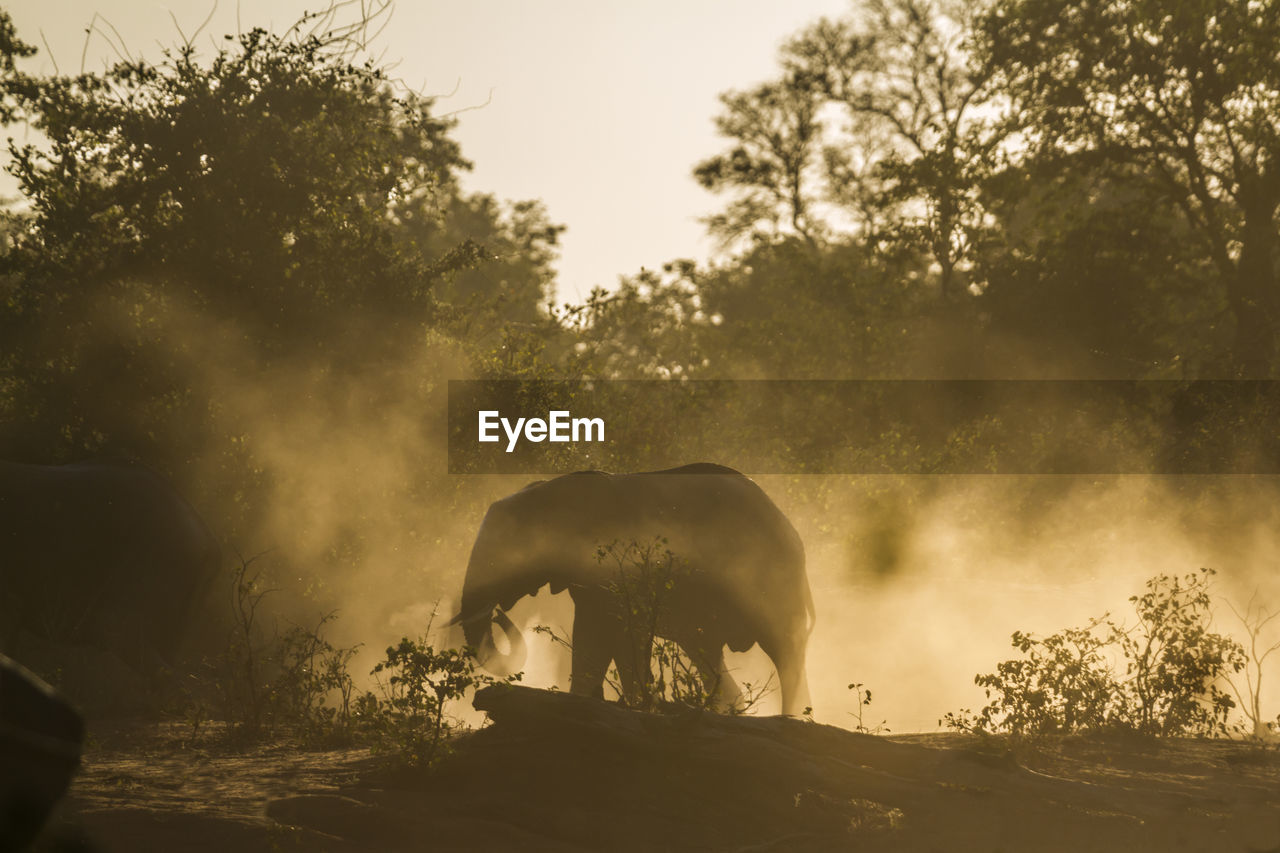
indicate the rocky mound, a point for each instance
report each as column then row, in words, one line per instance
column 560, row 772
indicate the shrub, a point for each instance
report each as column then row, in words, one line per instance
column 416, row 682
column 1174, row 662
column 655, row 672
column 1067, row 683
column 312, row 673
column 645, row 578
column 268, row 683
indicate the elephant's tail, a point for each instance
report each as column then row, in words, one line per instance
column 810, row 614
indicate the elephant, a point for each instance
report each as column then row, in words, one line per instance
column 745, row 580
column 41, row 737
column 104, row 555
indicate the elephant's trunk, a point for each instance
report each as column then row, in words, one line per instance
column 477, row 627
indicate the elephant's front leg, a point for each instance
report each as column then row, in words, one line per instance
column 595, row 637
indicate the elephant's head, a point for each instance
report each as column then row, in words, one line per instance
column 498, row 575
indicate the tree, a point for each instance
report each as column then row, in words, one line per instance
column 229, row 259
column 1189, row 94
column 1173, row 661
column 1254, row 620
column 1088, row 272
column 901, row 72
column 515, row 282
column 776, row 133
column 260, row 185
column 278, row 190
column 253, row 191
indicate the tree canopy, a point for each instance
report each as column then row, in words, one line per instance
column 1184, row 98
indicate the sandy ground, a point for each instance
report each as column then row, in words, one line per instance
column 557, row 772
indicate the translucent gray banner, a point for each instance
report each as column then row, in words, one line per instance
column 867, row 427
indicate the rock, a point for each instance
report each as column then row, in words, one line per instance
column 41, row 736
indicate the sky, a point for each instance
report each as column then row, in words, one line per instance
column 598, row 107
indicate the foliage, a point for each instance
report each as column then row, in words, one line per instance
column 899, row 73
column 240, row 675
column 312, row 674
column 1064, row 684
column 408, row 717
column 775, row 132
column 514, row 284
column 655, row 673
column 1186, row 94
column 1068, row 682
column 12, row 49
column 315, row 154
column 297, row 684
column 780, row 310
column 652, row 670
column 1174, row 661
column 254, row 190
column 1089, row 270
column 217, row 249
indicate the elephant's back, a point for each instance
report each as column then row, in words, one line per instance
column 114, row 541
column 709, row 506
column 716, row 520
column 115, row 508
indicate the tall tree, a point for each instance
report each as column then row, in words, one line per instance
column 1189, row 94
column 901, row 69
column 1088, row 272
column 775, row 133
column 261, row 184
column 261, row 190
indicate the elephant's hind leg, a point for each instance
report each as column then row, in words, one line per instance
column 721, row 688
column 789, row 661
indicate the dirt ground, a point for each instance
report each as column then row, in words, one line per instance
column 558, row 772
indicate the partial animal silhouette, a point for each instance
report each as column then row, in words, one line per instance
column 742, row 575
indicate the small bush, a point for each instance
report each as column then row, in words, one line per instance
column 645, row 579
column 416, row 682
column 270, row 684
column 311, row 693
column 863, row 695
column 1063, row 684
column 655, row 672
column 1067, row 683
column 1174, row 662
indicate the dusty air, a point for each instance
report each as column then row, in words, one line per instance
column 559, row 426
column 939, row 508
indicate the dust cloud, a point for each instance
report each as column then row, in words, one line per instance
column 985, row 556
column 918, row 582
column 328, row 474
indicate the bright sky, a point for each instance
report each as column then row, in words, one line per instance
column 601, row 108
